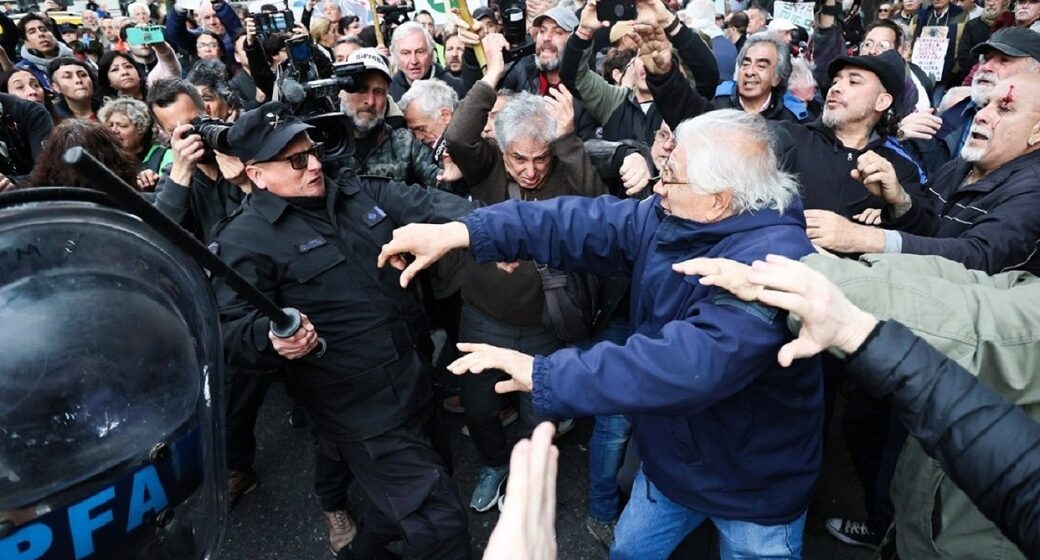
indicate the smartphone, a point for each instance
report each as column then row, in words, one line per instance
column 268, row 23
column 151, row 35
column 616, row 10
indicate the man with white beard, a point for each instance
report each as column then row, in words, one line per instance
column 935, row 140
column 984, row 207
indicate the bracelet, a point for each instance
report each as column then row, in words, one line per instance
column 672, row 27
column 582, row 35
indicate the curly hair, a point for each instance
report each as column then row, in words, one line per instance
column 136, row 112
column 50, row 169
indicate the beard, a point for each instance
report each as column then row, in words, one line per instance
column 832, row 119
column 551, row 65
column 364, row 121
column 973, row 154
column 980, row 90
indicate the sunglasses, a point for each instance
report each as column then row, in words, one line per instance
column 299, row 160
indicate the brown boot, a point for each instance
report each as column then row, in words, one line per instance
column 240, row 483
column 342, row 529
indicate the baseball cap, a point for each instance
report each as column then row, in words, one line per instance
column 888, row 66
column 619, row 30
column 781, row 24
column 1012, row 41
column 481, row 13
column 372, row 60
column 260, row 134
column 562, row 16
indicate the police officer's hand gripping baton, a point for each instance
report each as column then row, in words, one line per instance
column 284, row 321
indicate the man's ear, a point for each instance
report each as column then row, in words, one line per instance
column 617, row 75
column 1034, row 136
column 883, row 102
column 721, row 205
column 255, row 175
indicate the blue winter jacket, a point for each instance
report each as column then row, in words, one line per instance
column 722, row 428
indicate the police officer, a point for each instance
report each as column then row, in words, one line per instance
column 310, row 242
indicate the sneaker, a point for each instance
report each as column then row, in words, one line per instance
column 489, row 488
column 240, row 483
column 342, row 529
column 855, row 533
column 563, row 427
column 453, row 404
column 506, row 416
column 604, row 532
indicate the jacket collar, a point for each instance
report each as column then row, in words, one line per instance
column 875, row 141
column 998, row 177
column 272, row 206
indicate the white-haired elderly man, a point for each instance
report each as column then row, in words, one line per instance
column 216, row 17
column 724, row 432
column 428, row 106
column 535, row 156
column 413, row 49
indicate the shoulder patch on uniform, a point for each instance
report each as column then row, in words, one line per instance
column 758, row 310
column 374, row 216
column 311, row 245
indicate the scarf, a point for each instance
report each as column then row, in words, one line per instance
column 41, row 62
column 1000, row 21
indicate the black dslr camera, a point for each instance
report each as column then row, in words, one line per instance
column 393, row 16
column 514, row 29
column 214, row 133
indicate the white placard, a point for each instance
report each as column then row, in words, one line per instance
column 798, row 13
column 930, row 54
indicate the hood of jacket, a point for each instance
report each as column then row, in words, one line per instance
column 42, row 62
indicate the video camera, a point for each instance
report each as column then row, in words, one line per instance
column 316, row 102
column 514, row 29
column 393, row 16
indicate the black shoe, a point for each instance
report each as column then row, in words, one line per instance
column 240, row 483
column 855, row 533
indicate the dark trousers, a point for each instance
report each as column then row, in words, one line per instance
column 244, row 393
column 412, row 494
column 479, row 398
column 874, row 438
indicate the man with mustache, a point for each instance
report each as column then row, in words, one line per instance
column 983, row 206
column 381, row 149
column 1027, row 14
column 935, row 140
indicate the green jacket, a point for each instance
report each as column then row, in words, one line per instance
column 399, row 156
column 988, row 325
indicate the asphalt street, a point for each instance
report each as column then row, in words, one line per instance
column 281, row 519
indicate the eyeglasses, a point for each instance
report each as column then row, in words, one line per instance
column 299, row 160
column 664, row 136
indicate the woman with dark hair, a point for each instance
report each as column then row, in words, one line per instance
column 23, row 84
column 50, row 169
column 74, row 83
column 131, row 122
column 119, row 75
column 349, row 26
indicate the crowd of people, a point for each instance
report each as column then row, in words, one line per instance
column 604, row 220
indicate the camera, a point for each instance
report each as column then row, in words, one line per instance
column 317, row 103
column 514, row 29
column 214, row 133
column 393, row 16
column 616, row 10
column 268, row 23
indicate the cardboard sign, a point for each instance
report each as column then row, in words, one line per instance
column 930, row 54
column 799, row 13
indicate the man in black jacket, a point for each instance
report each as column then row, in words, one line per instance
column 982, row 209
column 301, row 237
column 413, row 51
column 24, row 125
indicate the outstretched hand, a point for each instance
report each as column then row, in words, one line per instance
column 482, row 357
column 427, row 242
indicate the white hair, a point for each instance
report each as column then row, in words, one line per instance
column 525, row 116
column 801, row 73
column 138, row 5
column 431, row 95
column 406, row 29
column 734, row 150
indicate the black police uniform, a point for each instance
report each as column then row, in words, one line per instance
column 369, row 395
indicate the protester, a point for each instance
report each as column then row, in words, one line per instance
column 40, row 48
column 118, row 75
column 994, row 17
column 50, row 168
column 381, row 149
column 131, row 123
column 692, row 465
column 413, row 50
column 428, row 107
column 74, row 84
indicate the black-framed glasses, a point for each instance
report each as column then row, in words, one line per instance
column 299, row 160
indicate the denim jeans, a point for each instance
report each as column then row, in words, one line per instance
column 652, row 526
column 607, row 445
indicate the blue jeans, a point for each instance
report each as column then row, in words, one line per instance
column 652, row 526
column 607, row 445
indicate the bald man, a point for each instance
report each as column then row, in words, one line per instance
column 984, row 207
